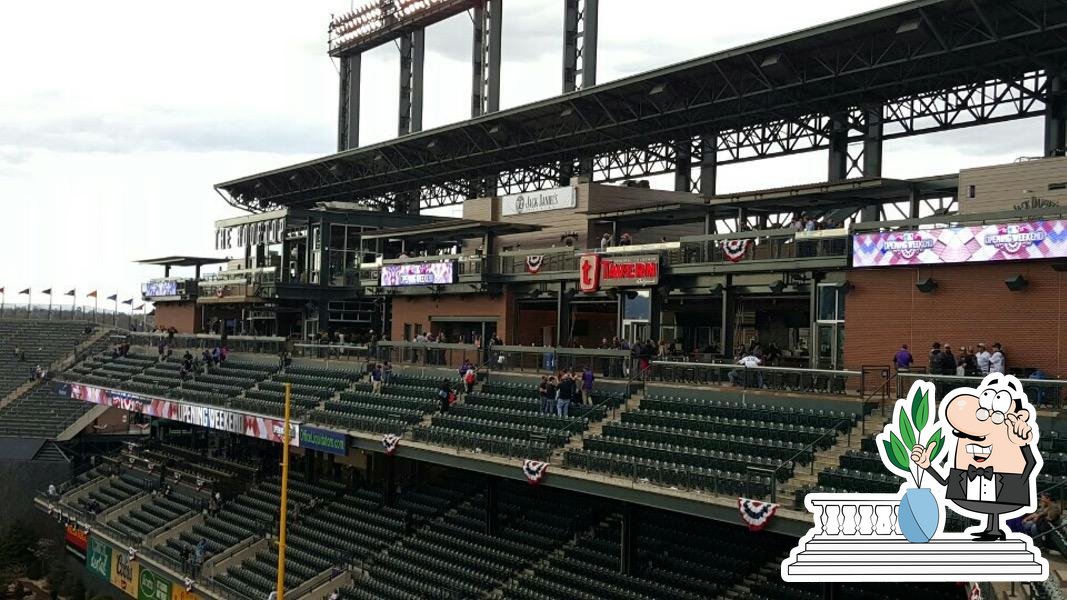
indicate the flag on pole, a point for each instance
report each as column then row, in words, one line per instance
column 114, row 297
column 91, row 294
column 139, row 307
column 48, row 291
column 70, row 293
column 25, row 291
column 1, row 290
column 130, row 301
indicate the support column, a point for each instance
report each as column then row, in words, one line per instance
column 1056, row 116
column 486, row 58
column 657, row 297
column 563, row 316
column 491, row 485
column 838, row 163
column 872, row 141
column 913, row 203
column 709, row 164
column 324, row 274
column 412, row 61
column 813, row 328
column 566, row 171
column 626, row 541
column 729, row 318
column 683, row 166
column 579, row 44
column 348, row 109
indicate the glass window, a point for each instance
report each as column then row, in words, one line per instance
column 831, row 300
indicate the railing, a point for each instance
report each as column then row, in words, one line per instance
column 775, row 244
column 553, row 260
column 775, row 378
column 200, row 341
column 1043, row 393
column 615, row 364
column 427, row 354
column 328, row 352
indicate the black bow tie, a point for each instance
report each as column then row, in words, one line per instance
column 973, row 472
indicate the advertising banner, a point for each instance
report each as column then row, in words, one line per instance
column 629, row 271
column 160, row 288
column 589, row 273
column 124, row 572
column 76, row 541
column 973, row 244
column 429, row 273
column 538, row 201
column 331, row 442
column 177, row 592
column 153, row 586
column 264, row 428
column 99, row 558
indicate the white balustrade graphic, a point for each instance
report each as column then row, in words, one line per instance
column 857, row 537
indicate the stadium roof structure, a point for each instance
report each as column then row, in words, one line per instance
column 183, row 261
column 854, row 192
column 917, row 67
column 455, row 228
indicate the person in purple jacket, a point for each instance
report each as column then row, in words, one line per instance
column 902, row 359
column 587, row 385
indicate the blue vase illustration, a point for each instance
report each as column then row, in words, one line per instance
column 918, row 515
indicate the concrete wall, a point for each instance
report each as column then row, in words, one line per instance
column 419, row 309
column 1030, row 184
column 183, row 316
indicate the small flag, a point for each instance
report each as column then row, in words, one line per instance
column 70, row 293
column 1, row 290
column 48, row 291
column 91, row 294
column 130, row 301
column 114, row 297
column 139, row 307
column 25, row 291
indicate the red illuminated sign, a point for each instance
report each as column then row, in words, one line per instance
column 629, row 271
column 589, row 273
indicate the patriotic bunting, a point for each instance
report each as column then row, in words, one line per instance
column 533, row 264
column 734, row 250
column 756, row 514
column 534, row 470
column 389, row 443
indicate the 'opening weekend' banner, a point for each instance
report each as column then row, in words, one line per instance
column 974, row 244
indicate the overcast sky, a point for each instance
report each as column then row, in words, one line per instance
column 117, row 118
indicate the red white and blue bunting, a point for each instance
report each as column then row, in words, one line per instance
column 533, row 263
column 975, row 592
column 755, row 513
column 734, row 250
column 389, row 443
column 534, row 470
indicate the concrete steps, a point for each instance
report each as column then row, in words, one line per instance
column 870, row 426
column 577, row 441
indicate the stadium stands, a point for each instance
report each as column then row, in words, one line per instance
column 42, row 413
column 42, row 342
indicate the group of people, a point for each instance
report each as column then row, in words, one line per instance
column 976, row 361
column 558, row 391
column 1044, row 519
column 607, row 241
column 380, row 373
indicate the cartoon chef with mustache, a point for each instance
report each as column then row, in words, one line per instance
column 995, row 466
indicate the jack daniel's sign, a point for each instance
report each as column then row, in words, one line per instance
column 538, row 201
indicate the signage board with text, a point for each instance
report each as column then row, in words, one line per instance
column 427, row 273
column 996, row 242
column 538, row 201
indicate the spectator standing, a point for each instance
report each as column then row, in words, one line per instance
column 1045, row 519
column 469, row 378
column 982, row 359
column 605, row 241
column 903, row 359
column 376, row 379
column 542, row 394
column 587, row 385
column 565, row 394
column 625, row 239
column 749, row 361
column 443, row 392
column 948, row 360
column 935, row 359
column 997, row 360
column 387, row 373
column 966, row 365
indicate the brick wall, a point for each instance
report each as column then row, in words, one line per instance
column 970, row 305
column 419, row 309
column 183, row 316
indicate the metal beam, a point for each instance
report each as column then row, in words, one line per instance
column 837, row 165
column 1056, row 116
column 486, row 58
column 348, row 103
column 872, row 141
column 709, row 165
column 579, row 44
column 683, row 167
column 412, row 61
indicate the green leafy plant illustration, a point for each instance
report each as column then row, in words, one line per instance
column 906, row 431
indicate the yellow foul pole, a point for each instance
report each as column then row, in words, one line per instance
column 285, row 495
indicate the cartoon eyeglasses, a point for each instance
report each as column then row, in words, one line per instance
column 993, row 405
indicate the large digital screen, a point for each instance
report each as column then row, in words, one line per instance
column 1030, row 240
column 160, row 288
column 433, row 273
